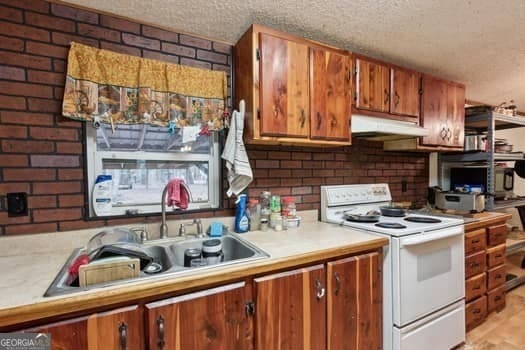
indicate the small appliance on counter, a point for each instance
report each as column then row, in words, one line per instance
column 473, row 202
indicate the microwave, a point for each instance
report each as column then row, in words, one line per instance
column 477, row 175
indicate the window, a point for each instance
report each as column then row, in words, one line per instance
column 142, row 159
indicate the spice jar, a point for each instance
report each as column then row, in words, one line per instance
column 288, row 208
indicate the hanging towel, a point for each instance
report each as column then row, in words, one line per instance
column 237, row 163
column 177, row 194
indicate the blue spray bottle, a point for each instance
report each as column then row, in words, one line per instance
column 242, row 223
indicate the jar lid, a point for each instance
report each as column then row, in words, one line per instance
column 192, row 252
column 212, row 245
column 288, row 199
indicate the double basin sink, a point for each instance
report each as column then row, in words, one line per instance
column 169, row 254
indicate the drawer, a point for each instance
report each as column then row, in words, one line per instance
column 496, row 299
column 496, row 235
column 475, row 264
column 496, row 277
column 496, row 256
column 475, row 312
column 475, row 241
column 475, row 287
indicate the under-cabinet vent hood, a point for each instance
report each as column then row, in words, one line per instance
column 382, row 129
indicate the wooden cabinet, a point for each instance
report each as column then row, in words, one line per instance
column 405, row 90
column 296, row 91
column 210, row 319
column 337, row 306
column 476, row 312
column 372, row 85
column 443, row 113
column 117, row 329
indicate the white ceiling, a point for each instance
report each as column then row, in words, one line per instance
column 477, row 42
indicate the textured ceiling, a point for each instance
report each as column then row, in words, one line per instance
column 477, row 42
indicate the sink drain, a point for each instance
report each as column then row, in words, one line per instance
column 153, row 267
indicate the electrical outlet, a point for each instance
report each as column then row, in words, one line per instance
column 17, row 204
column 403, row 185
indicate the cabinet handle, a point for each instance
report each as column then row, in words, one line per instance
column 449, row 134
column 498, row 256
column 303, row 118
column 474, row 241
column 275, row 111
column 443, row 133
column 123, row 330
column 319, row 120
column 333, row 121
column 474, row 264
column 477, row 287
column 497, row 298
column 396, row 102
column 386, row 97
column 498, row 276
column 337, row 283
column 320, row 289
column 249, row 307
column 476, row 311
column 160, row 331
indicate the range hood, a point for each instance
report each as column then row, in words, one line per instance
column 382, row 129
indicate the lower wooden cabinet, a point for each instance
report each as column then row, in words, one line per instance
column 116, row 329
column 476, row 312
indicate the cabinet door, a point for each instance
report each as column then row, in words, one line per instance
column 434, row 114
column 404, row 92
column 116, row 329
column 291, row 310
column 372, row 86
column 456, row 115
column 330, row 95
column 354, row 310
column 211, row 319
column 284, row 95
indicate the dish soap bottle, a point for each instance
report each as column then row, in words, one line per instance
column 242, row 223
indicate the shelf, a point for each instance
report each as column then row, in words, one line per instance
column 501, row 121
column 513, row 265
column 481, row 157
column 514, row 245
column 509, row 203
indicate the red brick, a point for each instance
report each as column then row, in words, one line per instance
column 221, row 67
column 160, row 34
column 98, row 32
column 6, row 187
column 374, row 173
column 66, row 39
column 12, row 102
column 223, row 48
column 280, row 173
column 302, row 190
column 136, row 40
column 273, row 164
column 279, row 155
column 59, row 66
column 290, row 164
column 33, row 5
column 31, row 228
column 127, row 50
column 178, row 50
column 43, row 105
column 29, row 174
column 195, row 42
column 302, row 173
column 12, row 160
column 46, row 215
column 160, row 56
column 338, row 181
column 323, row 173
column 301, row 156
column 68, row 122
column 11, row 73
column 212, row 56
column 49, row 22
column 313, row 164
column 55, row 161
column 37, row 202
column 22, row 31
column 48, row 78
column 71, row 200
column 119, row 24
column 29, row 61
column 46, row 49
column 267, row 182
column 12, row 44
column 55, row 133
column 323, row 156
column 69, row 147
column 58, row 93
column 313, row 181
column 13, row 132
column 15, row 146
column 57, row 187
column 79, row 225
column 10, row 14
column 70, row 174
column 74, row 13
column 195, row 63
column 13, row 220
column 23, row 89
column 11, row 117
column 291, row 181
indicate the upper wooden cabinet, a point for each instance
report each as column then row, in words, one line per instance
column 296, row 91
column 385, row 90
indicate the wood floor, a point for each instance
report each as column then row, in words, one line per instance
column 504, row 330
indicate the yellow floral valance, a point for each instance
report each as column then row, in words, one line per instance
column 114, row 88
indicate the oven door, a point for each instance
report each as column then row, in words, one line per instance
column 428, row 273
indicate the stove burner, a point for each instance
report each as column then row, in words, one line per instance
column 390, row 225
column 422, row 219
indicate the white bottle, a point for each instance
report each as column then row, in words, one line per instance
column 102, row 191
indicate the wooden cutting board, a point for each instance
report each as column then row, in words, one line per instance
column 110, row 269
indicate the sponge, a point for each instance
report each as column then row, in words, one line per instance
column 215, row 229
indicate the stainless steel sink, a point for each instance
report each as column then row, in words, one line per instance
column 169, row 253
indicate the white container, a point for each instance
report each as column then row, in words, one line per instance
column 293, row 222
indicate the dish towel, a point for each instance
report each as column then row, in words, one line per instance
column 237, row 163
column 177, row 194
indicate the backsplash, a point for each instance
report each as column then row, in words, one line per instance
column 41, row 152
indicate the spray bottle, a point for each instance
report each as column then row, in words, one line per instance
column 242, row 223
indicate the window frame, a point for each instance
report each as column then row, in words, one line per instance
column 94, row 165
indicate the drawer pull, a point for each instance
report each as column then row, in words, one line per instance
column 123, row 332
column 160, row 332
column 497, row 298
column 477, row 287
column 474, row 241
column 498, row 256
column 498, row 276
column 474, row 264
column 476, row 311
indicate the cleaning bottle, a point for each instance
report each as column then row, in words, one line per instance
column 102, row 191
column 242, row 223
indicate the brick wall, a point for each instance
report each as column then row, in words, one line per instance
column 41, row 152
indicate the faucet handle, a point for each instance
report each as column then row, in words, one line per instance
column 200, row 232
column 141, row 232
column 182, row 230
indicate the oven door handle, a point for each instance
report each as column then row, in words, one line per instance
column 425, row 238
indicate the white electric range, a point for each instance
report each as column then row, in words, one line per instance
column 423, row 267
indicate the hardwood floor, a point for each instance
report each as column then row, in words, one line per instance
column 504, row 330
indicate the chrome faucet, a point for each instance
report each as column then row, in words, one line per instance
column 163, row 225
column 196, row 222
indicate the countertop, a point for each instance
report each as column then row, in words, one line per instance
column 32, row 262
